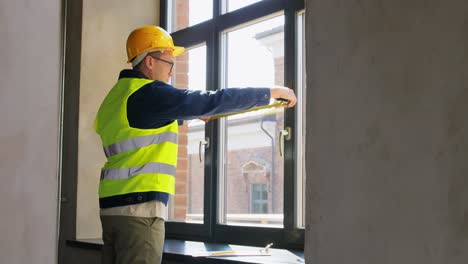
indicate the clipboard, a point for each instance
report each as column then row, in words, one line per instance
column 231, row 253
column 235, row 253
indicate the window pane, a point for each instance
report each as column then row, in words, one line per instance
column 186, row 13
column 187, row 203
column 231, row 5
column 259, row 199
column 254, row 58
column 301, row 119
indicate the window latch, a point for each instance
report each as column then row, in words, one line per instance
column 285, row 134
column 206, row 143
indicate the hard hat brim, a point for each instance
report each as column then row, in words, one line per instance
column 177, row 51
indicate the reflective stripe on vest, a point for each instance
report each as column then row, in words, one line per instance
column 126, row 173
column 139, row 142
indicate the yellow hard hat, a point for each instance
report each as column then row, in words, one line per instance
column 150, row 38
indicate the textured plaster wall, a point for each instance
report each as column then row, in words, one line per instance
column 387, row 149
column 29, row 116
column 106, row 25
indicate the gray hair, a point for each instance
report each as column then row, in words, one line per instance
column 138, row 59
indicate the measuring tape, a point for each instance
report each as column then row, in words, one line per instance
column 281, row 103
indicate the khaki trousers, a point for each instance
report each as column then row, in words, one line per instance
column 135, row 240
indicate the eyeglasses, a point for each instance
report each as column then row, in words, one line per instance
column 168, row 62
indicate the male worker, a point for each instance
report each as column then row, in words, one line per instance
column 138, row 126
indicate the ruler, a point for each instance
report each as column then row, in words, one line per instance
column 279, row 103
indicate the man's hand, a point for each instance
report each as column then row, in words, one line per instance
column 282, row 92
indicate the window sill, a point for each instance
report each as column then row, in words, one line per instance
column 179, row 250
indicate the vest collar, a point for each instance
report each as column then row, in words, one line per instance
column 127, row 73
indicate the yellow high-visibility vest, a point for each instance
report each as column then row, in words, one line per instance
column 138, row 160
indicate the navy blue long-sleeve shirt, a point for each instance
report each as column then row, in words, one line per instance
column 157, row 104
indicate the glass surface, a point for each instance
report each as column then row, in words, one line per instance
column 259, row 199
column 253, row 57
column 301, row 122
column 187, row 203
column 186, row 13
column 231, row 5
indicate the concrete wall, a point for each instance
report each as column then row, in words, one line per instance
column 106, row 25
column 30, row 50
column 387, row 150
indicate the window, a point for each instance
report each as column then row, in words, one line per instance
column 259, row 199
column 240, row 178
column 253, row 136
column 232, row 5
column 300, row 120
column 186, row 13
column 187, row 203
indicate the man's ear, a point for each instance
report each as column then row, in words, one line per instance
column 149, row 62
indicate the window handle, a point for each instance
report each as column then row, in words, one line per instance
column 206, row 143
column 285, row 134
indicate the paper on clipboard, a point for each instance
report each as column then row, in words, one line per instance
column 230, row 253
